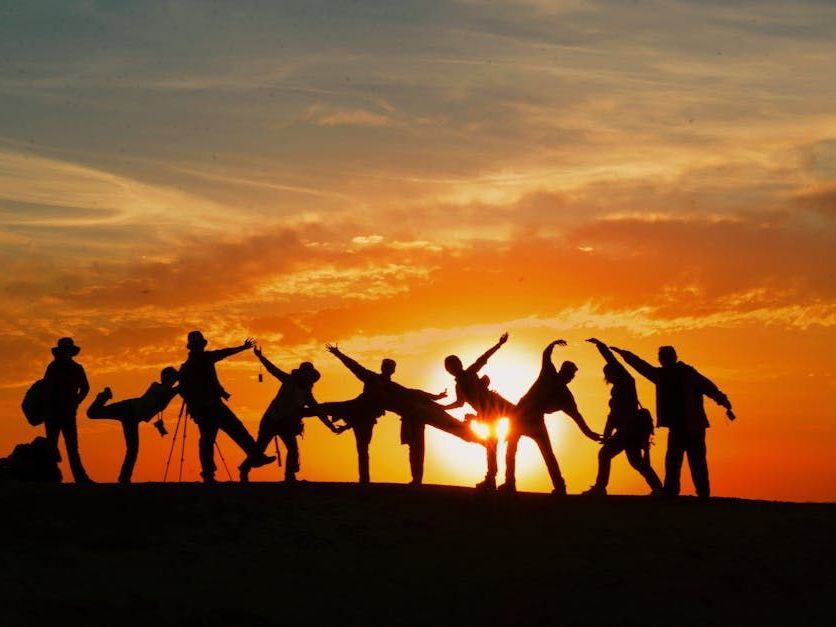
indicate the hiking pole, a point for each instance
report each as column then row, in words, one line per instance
column 174, row 440
column 183, row 448
column 223, row 461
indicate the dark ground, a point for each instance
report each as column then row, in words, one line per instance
column 338, row 554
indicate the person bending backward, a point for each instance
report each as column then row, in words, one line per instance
column 414, row 406
column 360, row 415
column 205, row 396
column 130, row 412
column 64, row 388
column 679, row 407
column 628, row 427
column 283, row 417
column 548, row 394
column 489, row 405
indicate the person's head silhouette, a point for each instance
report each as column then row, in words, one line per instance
column 196, row 342
column 453, row 365
column 169, row 376
column 667, row 356
column 65, row 348
column 567, row 371
column 306, row 375
column 387, row 367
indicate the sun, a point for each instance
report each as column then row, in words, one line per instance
column 511, row 370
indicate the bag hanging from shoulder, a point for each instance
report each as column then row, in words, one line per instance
column 33, row 403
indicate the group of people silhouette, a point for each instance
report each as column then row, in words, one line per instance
column 680, row 392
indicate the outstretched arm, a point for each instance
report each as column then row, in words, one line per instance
column 459, row 402
column 605, row 351
column 477, row 365
column 223, row 353
column 710, row 389
column 269, row 366
column 364, row 374
column 547, row 353
column 575, row 415
column 645, row 369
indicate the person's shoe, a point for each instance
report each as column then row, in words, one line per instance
column 595, row 490
column 260, row 460
column 488, row 485
column 415, row 483
column 243, row 474
column 208, row 479
column 560, row 490
column 509, row 487
column 657, row 493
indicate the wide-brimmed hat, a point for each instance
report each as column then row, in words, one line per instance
column 195, row 340
column 307, row 370
column 65, row 346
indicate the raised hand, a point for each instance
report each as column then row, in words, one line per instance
column 559, row 343
column 596, row 341
column 332, row 348
column 503, row 338
column 257, row 350
column 249, row 342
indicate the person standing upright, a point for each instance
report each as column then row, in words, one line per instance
column 205, row 398
column 680, row 408
column 64, row 388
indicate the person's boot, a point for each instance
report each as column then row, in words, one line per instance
column 260, row 459
column 560, row 489
column 208, row 479
column 595, row 490
column 244, row 473
column 509, row 487
column 487, row 485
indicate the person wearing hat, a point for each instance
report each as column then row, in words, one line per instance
column 205, row 398
column 548, row 394
column 65, row 386
column 283, row 417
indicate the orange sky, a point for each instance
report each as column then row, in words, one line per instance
column 413, row 179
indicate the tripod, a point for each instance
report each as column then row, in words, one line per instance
column 183, row 418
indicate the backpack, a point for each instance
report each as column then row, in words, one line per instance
column 33, row 403
column 644, row 429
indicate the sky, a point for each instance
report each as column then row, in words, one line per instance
column 411, row 179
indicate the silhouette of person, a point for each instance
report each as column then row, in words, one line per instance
column 360, row 415
column 626, row 429
column 549, row 393
column 489, row 405
column 205, row 396
column 408, row 403
column 132, row 411
column 65, row 386
column 283, row 417
column 680, row 408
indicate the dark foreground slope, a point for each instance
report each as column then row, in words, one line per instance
column 338, row 554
